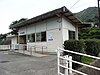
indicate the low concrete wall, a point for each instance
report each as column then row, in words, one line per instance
column 4, row 47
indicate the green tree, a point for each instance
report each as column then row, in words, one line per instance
column 89, row 33
column 18, row 21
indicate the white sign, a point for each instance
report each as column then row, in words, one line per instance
column 50, row 36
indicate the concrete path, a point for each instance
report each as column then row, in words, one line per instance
column 17, row 64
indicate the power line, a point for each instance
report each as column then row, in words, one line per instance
column 82, row 5
column 75, row 4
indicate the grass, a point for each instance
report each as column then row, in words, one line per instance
column 87, row 60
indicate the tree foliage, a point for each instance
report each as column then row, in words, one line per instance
column 18, row 21
column 92, row 47
column 3, row 36
column 88, row 46
column 74, row 45
column 89, row 33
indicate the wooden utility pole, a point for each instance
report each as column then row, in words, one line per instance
column 99, row 13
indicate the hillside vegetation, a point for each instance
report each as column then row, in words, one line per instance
column 89, row 33
column 88, row 15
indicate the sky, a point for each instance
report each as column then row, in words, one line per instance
column 11, row 10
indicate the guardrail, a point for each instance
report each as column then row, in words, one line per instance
column 65, row 62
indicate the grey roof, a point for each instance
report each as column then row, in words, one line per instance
column 60, row 11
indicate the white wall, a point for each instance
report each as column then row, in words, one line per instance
column 30, row 29
column 55, row 29
column 38, row 45
column 66, row 26
column 56, row 40
column 45, row 25
column 50, row 44
column 54, row 33
column 53, row 23
column 14, row 40
column 65, row 34
column 22, row 31
column 41, row 26
column 4, row 47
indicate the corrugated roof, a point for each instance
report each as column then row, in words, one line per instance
column 61, row 11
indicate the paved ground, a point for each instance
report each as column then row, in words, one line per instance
column 18, row 64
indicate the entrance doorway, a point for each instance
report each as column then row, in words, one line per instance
column 22, row 41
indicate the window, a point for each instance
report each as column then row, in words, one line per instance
column 38, row 37
column 31, row 38
column 71, row 35
column 41, row 37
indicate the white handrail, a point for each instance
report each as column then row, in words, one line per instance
column 81, row 63
column 80, row 54
column 73, row 70
column 68, row 60
column 61, row 73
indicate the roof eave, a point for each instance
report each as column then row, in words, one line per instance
column 39, row 18
column 63, row 10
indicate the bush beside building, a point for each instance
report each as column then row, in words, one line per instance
column 89, row 46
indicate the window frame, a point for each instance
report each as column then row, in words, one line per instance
column 35, row 36
column 41, row 36
column 71, row 35
column 30, row 38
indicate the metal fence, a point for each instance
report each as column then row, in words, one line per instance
column 38, row 47
column 26, row 49
column 65, row 63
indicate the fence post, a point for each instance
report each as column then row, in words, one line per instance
column 70, row 64
column 58, row 55
column 66, row 64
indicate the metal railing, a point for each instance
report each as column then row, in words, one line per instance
column 65, row 62
column 35, row 47
column 23, row 48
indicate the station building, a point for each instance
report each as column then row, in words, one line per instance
column 48, row 30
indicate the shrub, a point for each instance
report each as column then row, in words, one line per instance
column 74, row 45
column 96, row 36
column 92, row 47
